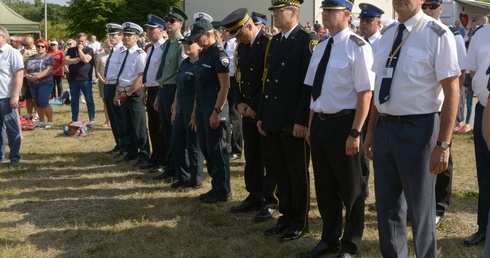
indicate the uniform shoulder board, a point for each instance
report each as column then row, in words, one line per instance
column 123, row 49
column 387, row 28
column 454, row 31
column 358, row 40
column 438, row 29
column 220, row 48
column 140, row 51
column 477, row 28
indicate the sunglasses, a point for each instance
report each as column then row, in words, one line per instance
column 170, row 20
column 41, row 46
column 187, row 42
column 430, row 6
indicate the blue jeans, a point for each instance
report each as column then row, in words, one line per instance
column 86, row 88
column 40, row 94
column 10, row 117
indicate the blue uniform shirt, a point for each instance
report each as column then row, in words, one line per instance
column 185, row 86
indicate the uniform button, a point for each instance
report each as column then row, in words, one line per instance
column 282, row 64
column 277, row 81
column 267, row 80
column 275, row 97
column 248, row 83
column 242, row 82
column 266, row 96
column 243, row 95
column 251, row 69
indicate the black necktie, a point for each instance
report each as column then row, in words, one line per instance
column 122, row 66
column 145, row 72
column 107, row 63
column 225, row 45
column 162, row 61
column 367, row 40
column 320, row 71
column 488, row 84
column 384, row 91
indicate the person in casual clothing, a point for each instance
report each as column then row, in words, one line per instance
column 38, row 73
column 58, row 71
column 11, row 73
column 100, row 62
column 79, row 59
column 29, row 50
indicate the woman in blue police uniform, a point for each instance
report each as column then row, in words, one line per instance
column 188, row 164
column 211, row 109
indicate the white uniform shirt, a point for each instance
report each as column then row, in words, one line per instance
column 416, row 87
column 461, row 49
column 10, row 62
column 348, row 73
column 374, row 40
column 230, row 51
column 114, row 62
column 135, row 64
column 478, row 60
column 156, row 57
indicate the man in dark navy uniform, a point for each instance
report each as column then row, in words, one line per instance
column 249, row 68
column 283, row 117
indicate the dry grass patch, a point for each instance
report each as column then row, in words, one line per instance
column 69, row 199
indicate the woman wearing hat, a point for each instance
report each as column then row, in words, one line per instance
column 211, row 109
column 188, row 158
column 58, row 72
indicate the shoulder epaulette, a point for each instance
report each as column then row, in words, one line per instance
column 358, row 40
column 438, row 29
column 141, row 51
column 455, row 31
column 477, row 28
column 387, row 28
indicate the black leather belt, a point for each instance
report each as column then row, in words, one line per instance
column 152, row 87
column 162, row 86
column 343, row 112
column 402, row 119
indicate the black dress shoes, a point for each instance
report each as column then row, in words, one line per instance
column 119, row 155
column 178, row 183
column 217, row 197
column 474, row 239
column 265, row 214
column 439, row 220
column 112, row 151
column 126, row 158
column 148, row 165
column 164, row 175
column 246, row 206
column 140, row 163
column 291, row 235
column 190, row 187
column 278, row 228
column 345, row 255
column 321, row 248
column 157, row 169
column 206, row 194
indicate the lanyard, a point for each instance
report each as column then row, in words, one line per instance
column 403, row 41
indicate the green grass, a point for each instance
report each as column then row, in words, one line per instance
column 69, row 199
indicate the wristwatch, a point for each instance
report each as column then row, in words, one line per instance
column 443, row 145
column 218, row 110
column 355, row 133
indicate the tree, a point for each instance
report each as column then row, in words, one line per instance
column 91, row 16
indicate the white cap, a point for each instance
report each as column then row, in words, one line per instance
column 201, row 15
column 54, row 42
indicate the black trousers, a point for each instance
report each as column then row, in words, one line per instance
column 156, row 140
column 444, row 183
column 165, row 100
column 234, row 135
column 261, row 187
column 290, row 157
column 115, row 115
column 135, row 123
column 338, row 182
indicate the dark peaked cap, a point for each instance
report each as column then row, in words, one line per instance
column 234, row 22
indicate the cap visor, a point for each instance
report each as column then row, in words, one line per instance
column 234, row 34
column 193, row 37
column 276, row 6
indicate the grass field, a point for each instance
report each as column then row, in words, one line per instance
column 69, row 199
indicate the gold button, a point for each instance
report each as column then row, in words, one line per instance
column 277, row 81
column 266, row 96
column 251, row 69
column 282, row 64
column 267, row 80
column 242, row 82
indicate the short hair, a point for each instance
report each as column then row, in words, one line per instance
column 4, row 32
column 45, row 42
column 81, row 35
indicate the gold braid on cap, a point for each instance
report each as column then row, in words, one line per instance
column 240, row 23
column 290, row 2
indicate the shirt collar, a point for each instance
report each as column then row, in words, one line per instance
column 341, row 36
column 286, row 35
column 410, row 23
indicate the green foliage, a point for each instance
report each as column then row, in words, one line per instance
column 91, row 16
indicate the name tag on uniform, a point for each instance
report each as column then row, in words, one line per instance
column 388, row 72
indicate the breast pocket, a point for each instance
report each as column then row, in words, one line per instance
column 339, row 70
column 417, row 62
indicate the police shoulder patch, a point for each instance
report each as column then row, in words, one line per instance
column 358, row 40
column 312, row 45
column 225, row 60
column 140, row 51
column 387, row 28
column 438, row 29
